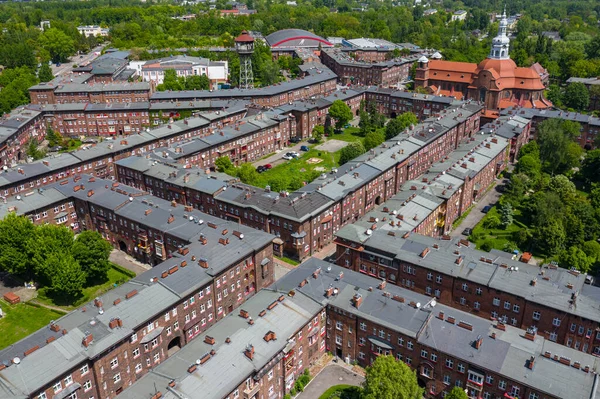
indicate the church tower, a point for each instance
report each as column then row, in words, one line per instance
column 501, row 43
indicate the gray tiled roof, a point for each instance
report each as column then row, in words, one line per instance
column 225, row 371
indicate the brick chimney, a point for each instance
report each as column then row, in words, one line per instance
column 249, row 352
column 357, row 300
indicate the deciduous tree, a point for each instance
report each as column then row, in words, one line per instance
column 68, row 279
column 351, row 151
column 91, row 251
column 341, row 112
column 15, row 234
column 388, row 378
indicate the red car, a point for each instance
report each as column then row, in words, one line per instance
column 268, row 166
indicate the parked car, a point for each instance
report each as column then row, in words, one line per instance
column 294, row 154
column 261, row 169
column 486, row 209
column 295, row 139
column 288, row 156
column 268, row 166
column 467, row 232
column 291, row 155
column 304, row 148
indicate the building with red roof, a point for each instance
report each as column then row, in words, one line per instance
column 497, row 82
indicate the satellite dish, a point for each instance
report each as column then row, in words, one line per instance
column 130, row 199
column 16, row 360
column 369, row 232
column 433, row 303
column 198, row 361
column 191, row 218
column 418, row 305
column 241, row 236
column 516, row 268
column 200, row 221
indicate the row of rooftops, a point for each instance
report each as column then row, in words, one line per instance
column 315, row 197
column 548, row 285
column 531, row 113
column 502, row 349
column 343, row 58
column 201, row 257
column 277, row 313
column 316, row 74
column 418, row 198
column 109, row 146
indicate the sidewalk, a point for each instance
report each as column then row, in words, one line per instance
column 122, row 259
column 332, row 374
column 476, row 214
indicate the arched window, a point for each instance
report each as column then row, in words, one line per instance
column 503, row 53
column 482, row 94
column 496, row 53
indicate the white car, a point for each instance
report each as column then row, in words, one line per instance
column 288, row 156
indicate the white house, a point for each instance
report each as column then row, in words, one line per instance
column 92, row 30
column 154, row 70
column 459, row 15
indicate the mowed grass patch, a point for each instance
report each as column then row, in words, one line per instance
column 21, row 320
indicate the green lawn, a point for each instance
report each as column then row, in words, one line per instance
column 21, row 320
column 285, row 259
column 350, row 134
column 497, row 238
column 341, row 391
column 300, row 167
column 116, row 276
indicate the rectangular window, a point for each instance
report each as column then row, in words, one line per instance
column 536, row 315
column 114, row 363
column 84, row 370
column 117, row 378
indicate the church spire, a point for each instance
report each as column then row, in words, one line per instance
column 501, row 43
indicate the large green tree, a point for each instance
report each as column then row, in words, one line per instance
column 341, row 113
column 351, row 151
column 58, row 44
column 48, row 240
column 558, row 150
column 590, row 167
column 373, row 139
column 388, row 378
column 576, row 96
column 397, row 125
column 68, row 279
column 15, row 234
column 91, row 251
column 45, row 73
column 457, row 393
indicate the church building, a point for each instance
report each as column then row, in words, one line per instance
column 497, row 82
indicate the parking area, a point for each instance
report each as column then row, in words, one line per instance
column 332, row 145
column 330, row 376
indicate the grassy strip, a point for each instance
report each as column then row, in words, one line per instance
column 341, row 391
column 21, row 320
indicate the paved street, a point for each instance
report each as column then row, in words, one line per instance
column 276, row 158
column 490, row 198
column 331, row 375
column 76, row 60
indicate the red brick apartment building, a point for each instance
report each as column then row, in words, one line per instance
column 95, row 93
column 554, row 301
column 98, row 158
column 589, row 124
column 365, row 72
column 210, row 268
column 368, row 317
column 318, row 82
column 307, row 220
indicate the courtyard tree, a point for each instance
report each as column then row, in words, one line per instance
column 15, row 232
column 341, row 113
column 388, row 378
column 67, row 279
column 351, row 151
column 91, row 251
column 318, row 132
column 397, row 125
column 373, row 139
column 457, row 393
